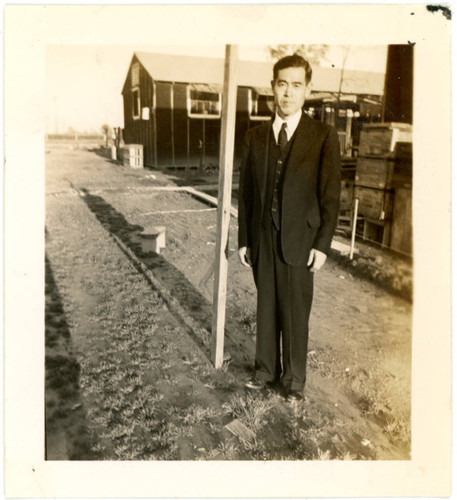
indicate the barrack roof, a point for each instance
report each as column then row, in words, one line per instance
column 196, row 69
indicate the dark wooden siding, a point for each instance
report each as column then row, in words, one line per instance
column 211, row 141
column 170, row 137
column 398, row 99
column 180, row 125
column 164, row 128
column 195, row 141
column 242, row 123
column 183, row 140
column 139, row 130
column 147, row 126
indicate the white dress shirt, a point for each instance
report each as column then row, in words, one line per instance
column 292, row 124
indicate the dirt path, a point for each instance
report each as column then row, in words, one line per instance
column 128, row 380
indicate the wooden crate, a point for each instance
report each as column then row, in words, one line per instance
column 132, row 155
column 374, row 203
column 403, row 152
column 379, row 139
column 377, row 231
column 374, row 172
column 402, row 176
column 402, row 221
column 346, row 196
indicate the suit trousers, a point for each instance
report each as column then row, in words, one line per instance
column 284, row 298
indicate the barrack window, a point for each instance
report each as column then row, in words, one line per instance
column 204, row 101
column 261, row 103
column 136, row 103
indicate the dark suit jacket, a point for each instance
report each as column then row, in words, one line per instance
column 310, row 192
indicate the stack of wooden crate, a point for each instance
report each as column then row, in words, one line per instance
column 375, row 174
column 132, row 155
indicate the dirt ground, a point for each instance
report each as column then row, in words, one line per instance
column 128, row 374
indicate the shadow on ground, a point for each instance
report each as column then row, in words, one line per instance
column 66, row 434
column 239, row 350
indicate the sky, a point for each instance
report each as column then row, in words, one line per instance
column 84, row 83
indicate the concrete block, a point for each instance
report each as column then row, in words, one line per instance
column 153, row 238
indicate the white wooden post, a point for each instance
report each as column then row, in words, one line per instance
column 354, row 227
column 224, row 203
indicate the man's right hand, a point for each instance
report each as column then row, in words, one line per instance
column 245, row 256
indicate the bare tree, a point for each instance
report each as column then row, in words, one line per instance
column 315, row 54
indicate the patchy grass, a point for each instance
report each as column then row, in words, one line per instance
column 64, row 415
column 398, row 429
column 147, row 392
column 250, row 410
column 248, row 320
column 386, row 267
column 371, row 394
column 150, row 394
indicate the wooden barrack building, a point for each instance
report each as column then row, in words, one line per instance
column 172, row 104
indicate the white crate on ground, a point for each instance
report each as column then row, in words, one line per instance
column 153, row 238
column 132, row 155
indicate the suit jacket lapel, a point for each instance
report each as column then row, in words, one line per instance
column 304, row 138
column 261, row 151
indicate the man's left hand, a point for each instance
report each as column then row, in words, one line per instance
column 316, row 259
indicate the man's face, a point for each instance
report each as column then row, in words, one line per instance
column 290, row 91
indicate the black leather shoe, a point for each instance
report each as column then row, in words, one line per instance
column 295, row 395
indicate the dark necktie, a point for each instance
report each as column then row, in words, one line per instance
column 282, row 138
column 282, row 143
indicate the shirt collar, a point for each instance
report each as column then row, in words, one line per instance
column 292, row 124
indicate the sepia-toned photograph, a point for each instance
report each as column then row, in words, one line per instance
column 132, row 192
column 230, row 252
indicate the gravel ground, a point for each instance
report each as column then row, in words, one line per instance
column 127, row 379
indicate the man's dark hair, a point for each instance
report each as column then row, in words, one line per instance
column 294, row 61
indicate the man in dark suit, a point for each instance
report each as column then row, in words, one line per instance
column 288, row 209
